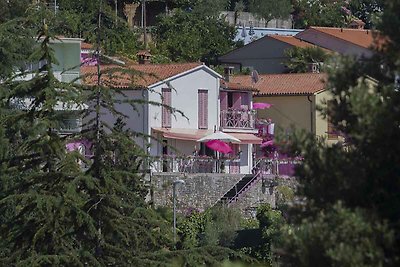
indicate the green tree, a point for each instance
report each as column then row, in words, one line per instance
column 271, row 224
column 12, row 9
column 320, row 13
column 16, row 44
column 299, row 59
column 367, row 10
column 339, row 237
column 193, row 36
column 270, row 9
column 349, row 194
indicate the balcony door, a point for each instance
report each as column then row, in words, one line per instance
column 235, row 100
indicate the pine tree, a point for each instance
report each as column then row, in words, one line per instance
column 349, row 209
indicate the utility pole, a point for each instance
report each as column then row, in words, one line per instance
column 174, row 185
column 144, row 23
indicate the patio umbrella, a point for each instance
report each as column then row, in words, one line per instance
column 219, row 146
column 219, row 136
column 267, row 143
column 261, row 105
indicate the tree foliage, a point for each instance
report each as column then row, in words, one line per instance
column 193, row 36
column 214, row 227
column 270, row 9
column 367, row 10
column 349, row 209
column 320, row 13
column 15, row 47
column 299, row 59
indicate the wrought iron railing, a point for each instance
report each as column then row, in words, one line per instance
column 238, row 119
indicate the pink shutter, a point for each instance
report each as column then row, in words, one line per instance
column 223, row 100
column 166, row 113
column 237, row 100
column 203, row 109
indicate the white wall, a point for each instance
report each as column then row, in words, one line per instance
column 136, row 121
column 184, row 98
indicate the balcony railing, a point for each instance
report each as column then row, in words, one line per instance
column 196, row 164
column 238, row 119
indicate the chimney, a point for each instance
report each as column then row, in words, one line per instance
column 356, row 24
column 228, row 71
column 314, row 67
column 143, row 57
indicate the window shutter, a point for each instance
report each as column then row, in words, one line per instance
column 223, row 100
column 203, row 109
column 237, row 100
column 166, row 113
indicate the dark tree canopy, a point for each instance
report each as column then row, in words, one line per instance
column 348, row 209
column 193, row 36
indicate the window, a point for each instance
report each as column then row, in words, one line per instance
column 203, row 109
column 166, row 112
column 332, row 132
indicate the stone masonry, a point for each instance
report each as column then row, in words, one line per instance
column 203, row 190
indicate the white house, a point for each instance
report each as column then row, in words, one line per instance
column 194, row 90
column 67, row 54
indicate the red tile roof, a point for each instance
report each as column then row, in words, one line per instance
column 360, row 37
column 134, row 76
column 85, row 45
column 236, row 86
column 285, row 84
column 143, row 53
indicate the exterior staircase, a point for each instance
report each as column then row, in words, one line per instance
column 239, row 188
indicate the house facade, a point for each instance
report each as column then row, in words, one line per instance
column 181, row 103
column 294, row 99
column 266, row 55
column 67, row 54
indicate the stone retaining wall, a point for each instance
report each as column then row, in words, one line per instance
column 203, row 190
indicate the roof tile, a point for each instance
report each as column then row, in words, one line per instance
column 285, row 84
column 360, row 37
column 134, row 76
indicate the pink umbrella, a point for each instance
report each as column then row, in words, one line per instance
column 218, row 145
column 261, row 105
column 267, row 143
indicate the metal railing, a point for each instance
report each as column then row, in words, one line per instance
column 196, row 164
column 284, row 167
column 238, row 119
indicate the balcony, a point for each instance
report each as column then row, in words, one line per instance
column 238, row 119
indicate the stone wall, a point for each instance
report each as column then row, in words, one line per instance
column 262, row 192
column 202, row 191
